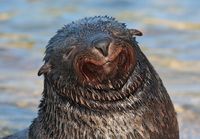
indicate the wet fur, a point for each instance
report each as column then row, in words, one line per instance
column 147, row 113
column 140, row 109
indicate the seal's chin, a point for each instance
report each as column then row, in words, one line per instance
column 106, row 72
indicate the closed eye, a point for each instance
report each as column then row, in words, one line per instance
column 117, row 33
column 122, row 35
column 68, row 53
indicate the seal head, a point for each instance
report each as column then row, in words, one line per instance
column 92, row 53
column 98, row 84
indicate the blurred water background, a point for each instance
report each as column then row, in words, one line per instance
column 171, row 41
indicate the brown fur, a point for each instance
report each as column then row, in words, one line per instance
column 125, row 101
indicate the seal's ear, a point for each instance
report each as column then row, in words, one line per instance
column 135, row 32
column 45, row 69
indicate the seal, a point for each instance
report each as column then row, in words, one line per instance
column 98, row 84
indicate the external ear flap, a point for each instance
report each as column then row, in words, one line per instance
column 46, row 68
column 135, row 32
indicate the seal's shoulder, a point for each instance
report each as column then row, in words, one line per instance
column 19, row 135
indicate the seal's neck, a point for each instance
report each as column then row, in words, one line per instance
column 59, row 117
column 55, row 119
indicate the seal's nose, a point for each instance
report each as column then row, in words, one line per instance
column 102, row 45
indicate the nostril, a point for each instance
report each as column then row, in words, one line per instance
column 102, row 45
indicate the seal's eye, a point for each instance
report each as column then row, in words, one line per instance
column 68, row 53
column 120, row 34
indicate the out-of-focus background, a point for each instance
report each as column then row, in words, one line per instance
column 171, row 42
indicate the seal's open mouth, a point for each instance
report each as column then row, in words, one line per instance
column 105, row 72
